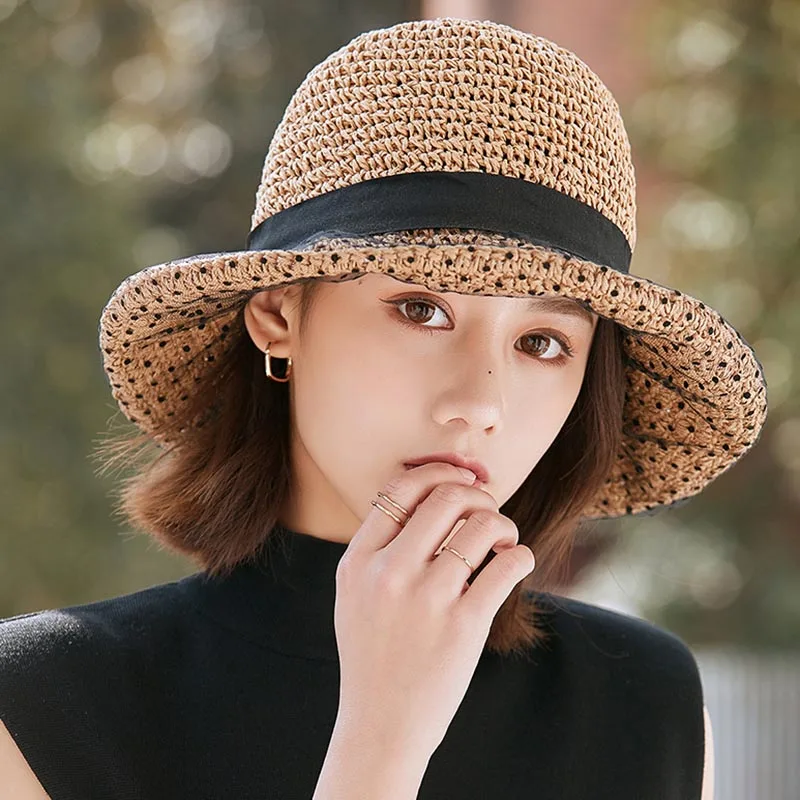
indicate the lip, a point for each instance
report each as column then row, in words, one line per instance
column 453, row 458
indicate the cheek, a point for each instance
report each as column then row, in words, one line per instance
column 561, row 398
column 540, row 413
column 386, row 388
column 353, row 391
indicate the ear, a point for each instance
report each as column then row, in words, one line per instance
column 269, row 318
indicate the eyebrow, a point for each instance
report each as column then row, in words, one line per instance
column 560, row 305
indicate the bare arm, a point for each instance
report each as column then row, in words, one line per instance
column 708, row 768
column 17, row 779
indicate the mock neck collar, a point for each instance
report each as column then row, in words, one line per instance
column 283, row 597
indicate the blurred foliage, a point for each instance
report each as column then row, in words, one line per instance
column 132, row 133
column 135, row 132
column 720, row 126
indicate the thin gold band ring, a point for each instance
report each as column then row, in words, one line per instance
column 402, row 522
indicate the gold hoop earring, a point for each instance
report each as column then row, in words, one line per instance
column 268, row 366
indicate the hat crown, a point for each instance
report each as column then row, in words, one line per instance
column 452, row 95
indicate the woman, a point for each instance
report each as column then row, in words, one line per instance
column 438, row 271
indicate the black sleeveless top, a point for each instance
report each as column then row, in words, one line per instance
column 228, row 688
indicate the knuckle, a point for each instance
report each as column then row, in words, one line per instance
column 396, row 484
column 484, row 520
column 484, row 498
column 512, row 528
column 448, row 493
column 508, row 564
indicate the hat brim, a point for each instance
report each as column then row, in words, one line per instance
column 696, row 396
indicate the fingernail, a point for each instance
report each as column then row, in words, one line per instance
column 467, row 473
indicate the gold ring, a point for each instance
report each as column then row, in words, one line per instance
column 463, row 558
column 387, row 511
column 392, row 502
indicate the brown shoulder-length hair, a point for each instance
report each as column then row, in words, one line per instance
column 217, row 492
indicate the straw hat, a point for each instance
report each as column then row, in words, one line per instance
column 466, row 156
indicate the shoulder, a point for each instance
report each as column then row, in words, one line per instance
column 63, row 637
column 624, row 662
column 67, row 673
column 633, row 679
column 614, row 637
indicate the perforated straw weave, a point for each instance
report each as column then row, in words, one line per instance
column 458, row 96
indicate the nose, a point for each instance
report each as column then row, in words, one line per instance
column 473, row 390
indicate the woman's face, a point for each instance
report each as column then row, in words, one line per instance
column 390, row 371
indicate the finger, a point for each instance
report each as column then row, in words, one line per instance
column 495, row 582
column 483, row 531
column 407, row 490
column 434, row 520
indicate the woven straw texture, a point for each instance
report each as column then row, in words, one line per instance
column 458, row 95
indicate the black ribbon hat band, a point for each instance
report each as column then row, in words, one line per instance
column 476, row 200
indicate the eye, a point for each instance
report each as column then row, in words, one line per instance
column 556, row 348
column 417, row 303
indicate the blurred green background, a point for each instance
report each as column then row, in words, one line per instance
column 135, row 132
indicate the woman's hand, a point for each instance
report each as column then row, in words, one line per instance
column 409, row 628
